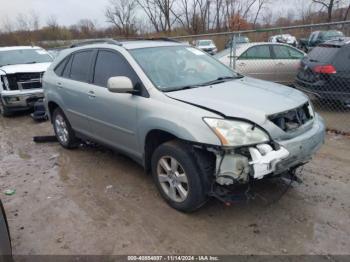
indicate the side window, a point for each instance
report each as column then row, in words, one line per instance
column 66, row 71
column 59, row 69
column 285, row 52
column 81, row 66
column 110, row 64
column 257, row 52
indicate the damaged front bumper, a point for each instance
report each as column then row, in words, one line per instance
column 19, row 100
column 257, row 162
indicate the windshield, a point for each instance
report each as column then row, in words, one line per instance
column 24, row 56
column 205, row 42
column 177, row 67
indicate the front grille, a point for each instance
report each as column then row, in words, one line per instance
column 24, row 81
column 292, row 119
column 32, row 84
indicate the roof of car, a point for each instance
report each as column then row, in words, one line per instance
column 338, row 42
column 10, row 48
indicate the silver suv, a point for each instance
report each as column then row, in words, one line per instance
column 198, row 126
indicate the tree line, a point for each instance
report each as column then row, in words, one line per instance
column 130, row 18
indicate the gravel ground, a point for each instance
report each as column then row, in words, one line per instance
column 94, row 201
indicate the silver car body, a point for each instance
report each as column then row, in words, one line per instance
column 123, row 121
column 271, row 68
column 22, row 96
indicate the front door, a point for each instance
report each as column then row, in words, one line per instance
column 114, row 116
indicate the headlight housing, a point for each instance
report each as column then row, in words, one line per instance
column 236, row 133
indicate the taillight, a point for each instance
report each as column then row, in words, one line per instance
column 325, row 69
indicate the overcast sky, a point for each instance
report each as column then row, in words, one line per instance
column 69, row 12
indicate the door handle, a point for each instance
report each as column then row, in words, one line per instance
column 91, row 94
column 280, row 64
column 59, row 84
column 242, row 64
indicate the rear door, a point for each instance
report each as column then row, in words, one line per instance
column 257, row 62
column 287, row 62
column 75, row 90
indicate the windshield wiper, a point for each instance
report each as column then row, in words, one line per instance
column 220, row 80
column 183, row 88
column 33, row 62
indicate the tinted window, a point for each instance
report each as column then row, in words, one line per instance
column 323, row 54
column 66, row 71
column 59, row 69
column 257, row 52
column 110, row 64
column 285, row 52
column 81, row 66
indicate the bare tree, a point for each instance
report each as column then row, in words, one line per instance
column 35, row 20
column 86, row 27
column 347, row 13
column 52, row 22
column 121, row 13
column 261, row 5
column 7, row 24
column 329, row 5
column 160, row 13
column 23, row 22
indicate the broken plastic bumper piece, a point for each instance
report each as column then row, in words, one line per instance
column 265, row 159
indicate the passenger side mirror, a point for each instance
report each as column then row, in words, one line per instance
column 120, row 84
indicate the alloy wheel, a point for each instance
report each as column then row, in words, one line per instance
column 173, row 179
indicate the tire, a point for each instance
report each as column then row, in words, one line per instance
column 168, row 181
column 63, row 130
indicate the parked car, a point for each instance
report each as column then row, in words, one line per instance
column 207, row 45
column 266, row 61
column 198, row 126
column 238, row 40
column 284, row 39
column 325, row 71
column 318, row 37
column 5, row 240
column 21, row 72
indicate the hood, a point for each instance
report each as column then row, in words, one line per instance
column 245, row 98
column 25, row 68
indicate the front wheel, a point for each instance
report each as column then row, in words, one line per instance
column 63, row 130
column 178, row 177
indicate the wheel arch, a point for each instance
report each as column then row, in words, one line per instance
column 154, row 139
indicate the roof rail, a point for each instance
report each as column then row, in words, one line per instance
column 97, row 41
column 153, row 39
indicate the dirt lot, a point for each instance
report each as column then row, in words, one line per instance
column 93, row 201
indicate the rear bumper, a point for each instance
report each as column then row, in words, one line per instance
column 20, row 100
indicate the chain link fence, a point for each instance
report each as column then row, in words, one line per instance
column 312, row 58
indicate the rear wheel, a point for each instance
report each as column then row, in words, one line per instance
column 63, row 130
column 177, row 177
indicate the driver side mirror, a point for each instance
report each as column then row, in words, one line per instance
column 120, row 84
